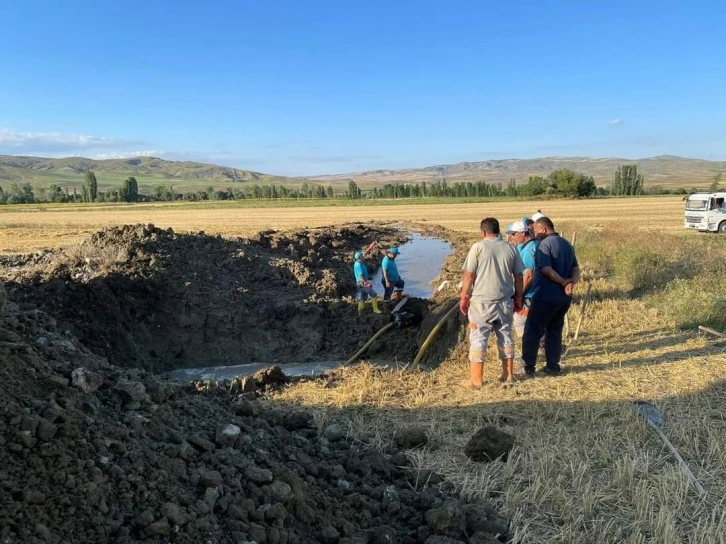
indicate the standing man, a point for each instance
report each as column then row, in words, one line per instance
column 555, row 275
column 529, row 223
column 491, row 291
column 391, row 278
column 527, row 248
column 365, row 287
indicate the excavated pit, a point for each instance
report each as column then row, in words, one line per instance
column 96, row 448
column 150, row 298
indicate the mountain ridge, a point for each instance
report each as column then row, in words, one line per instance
column 662, row 169
column 667, row 170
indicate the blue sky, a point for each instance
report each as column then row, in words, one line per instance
column 318, row 87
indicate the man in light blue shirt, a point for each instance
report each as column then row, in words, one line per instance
column 519, row 236
column 392, row 282
column 365, row 287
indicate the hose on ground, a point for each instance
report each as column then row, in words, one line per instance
column 432, row 335
column 362, row 350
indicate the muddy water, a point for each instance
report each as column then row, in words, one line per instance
column 221, row 373
column 419, row 264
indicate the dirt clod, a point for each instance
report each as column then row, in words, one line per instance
column 334, row 432
column 85, row 380
column 447, row 520
column 407, row 439
column 489, row 444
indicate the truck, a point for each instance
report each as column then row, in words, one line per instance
column 706, row 212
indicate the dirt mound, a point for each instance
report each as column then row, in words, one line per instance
column 150, row 298
column 489, row 444
column 90, row 452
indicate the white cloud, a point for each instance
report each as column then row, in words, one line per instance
column 615, row 122
column 128, row 155
column 56, row 142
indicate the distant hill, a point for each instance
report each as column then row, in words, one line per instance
column 149, row 171
column 666, row 170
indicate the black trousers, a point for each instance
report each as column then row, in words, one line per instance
column 544, row 318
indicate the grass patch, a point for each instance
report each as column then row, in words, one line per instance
column 693, row 302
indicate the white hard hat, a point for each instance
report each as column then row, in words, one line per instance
column 537, row 216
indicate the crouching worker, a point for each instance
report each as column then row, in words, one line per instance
column 365, row 287
column 392, row 282
column 491, row 292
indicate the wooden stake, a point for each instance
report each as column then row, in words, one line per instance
column 711, row 331
column 582, row 312
column 574, row 239
column 567, row 325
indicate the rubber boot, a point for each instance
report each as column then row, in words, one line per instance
column 361, row 306
column 507, row 370
column 477, row 373
column 376, row 309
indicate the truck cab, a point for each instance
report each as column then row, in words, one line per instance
column 706, row 212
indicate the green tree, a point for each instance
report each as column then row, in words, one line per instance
column 716, row 182
column 353, row 190
column 535, row 186
column 129, row 191
column 91, row 186
column 627, row 181
column 56, row 194
column 571, row 184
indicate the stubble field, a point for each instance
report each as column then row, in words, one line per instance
column 28, row 228
column 583, row 469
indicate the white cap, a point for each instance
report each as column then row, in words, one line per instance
column 537, row 216
column 517, row 226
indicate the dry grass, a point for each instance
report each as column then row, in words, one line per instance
column 584, row 468
column 30, row 228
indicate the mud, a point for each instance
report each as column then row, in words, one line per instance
column 149, row 298
column 91, row 451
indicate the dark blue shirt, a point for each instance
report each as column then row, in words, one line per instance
column 556, row 252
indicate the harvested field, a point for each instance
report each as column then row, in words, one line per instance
column 113, row 453
column 27, row 228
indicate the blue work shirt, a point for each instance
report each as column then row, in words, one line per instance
column 527, row 252
column 556, row 252
column 360, row 269
column 389, row 267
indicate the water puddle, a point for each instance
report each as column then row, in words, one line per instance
column 221, row 373
column 419, row 264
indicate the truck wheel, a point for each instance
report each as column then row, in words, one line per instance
column 722, row 227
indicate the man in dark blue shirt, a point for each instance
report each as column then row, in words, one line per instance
column 555, row 275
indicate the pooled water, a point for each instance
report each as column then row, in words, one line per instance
column 419, row 264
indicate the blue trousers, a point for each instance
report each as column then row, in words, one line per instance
column 545, row 318
column 387, row 291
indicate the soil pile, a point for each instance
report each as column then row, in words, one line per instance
column 90, row 452
column 150, row 298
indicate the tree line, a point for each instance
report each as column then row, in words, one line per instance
column 563, row 183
